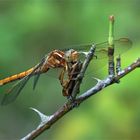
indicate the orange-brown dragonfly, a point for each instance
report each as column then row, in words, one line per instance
column 57, row 59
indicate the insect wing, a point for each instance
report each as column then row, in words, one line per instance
column 12, row 94
column 14, row 91
column 120, row 46
column 36, row 78
column 38, row 69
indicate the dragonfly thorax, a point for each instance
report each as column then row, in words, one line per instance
column 55, row 59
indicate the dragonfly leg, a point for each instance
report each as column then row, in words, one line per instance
column 64, row 82
column 61, row 77
column 72, row 74
column 68, row 84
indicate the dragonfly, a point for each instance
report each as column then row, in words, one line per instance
column 65, row 59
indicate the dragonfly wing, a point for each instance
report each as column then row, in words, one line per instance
column 15, row 90
column 37, row 75
column 101, row 53
column 36, row 78
column 121, row 45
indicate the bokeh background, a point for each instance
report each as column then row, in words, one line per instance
column 31, row 28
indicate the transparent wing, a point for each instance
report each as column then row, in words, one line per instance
column 36, row 78
column 12, row 94
column 97, row 65
column 37, row 75
column 121, row 46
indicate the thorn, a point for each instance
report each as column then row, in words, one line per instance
column 85, row 53
column 43, row 117
column 97, row 79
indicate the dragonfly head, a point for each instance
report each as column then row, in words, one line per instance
column 71, row 55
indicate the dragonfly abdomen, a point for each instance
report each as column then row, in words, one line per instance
column 15, row 77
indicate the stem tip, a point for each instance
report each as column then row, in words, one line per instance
column 111, row 18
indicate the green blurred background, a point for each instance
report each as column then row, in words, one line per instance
column 31, row 28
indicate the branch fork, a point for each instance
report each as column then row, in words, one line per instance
column 48, row 121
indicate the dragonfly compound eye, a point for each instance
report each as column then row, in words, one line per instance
column 71, row 55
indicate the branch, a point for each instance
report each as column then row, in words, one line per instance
column 80, row 77
column 108, row 81
column 48, row 121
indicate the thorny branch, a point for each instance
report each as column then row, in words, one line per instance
column 48, row 121
column 80, row 77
